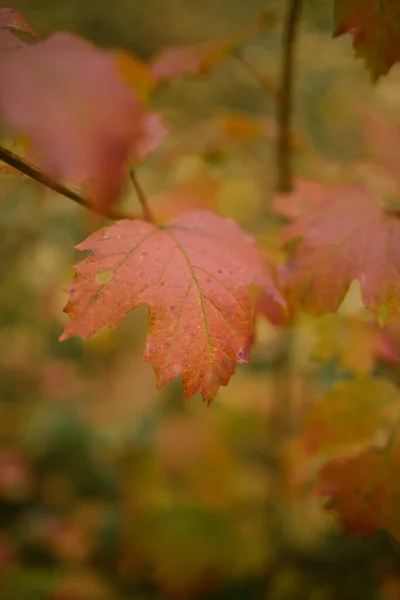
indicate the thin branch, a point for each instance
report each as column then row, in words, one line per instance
column 25, row 167
column 148, row 215
column 285, row 177
column 282, row 422
column 266, row 83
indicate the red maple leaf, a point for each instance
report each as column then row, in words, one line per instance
column 194, row 274
column 374, row 25
column 83, row 123
column 348, row 236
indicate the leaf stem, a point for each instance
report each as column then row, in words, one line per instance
column 25, row 167
column 284, row 116
column 148, row 215
column 266, row 83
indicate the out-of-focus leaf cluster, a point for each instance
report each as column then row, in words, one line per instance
column 111, row 490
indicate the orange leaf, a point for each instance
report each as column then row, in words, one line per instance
column 241, row 128
column 194, row 275
column 7, row 170
column 374, row 25
column 137, row 74
column 351, row 340
column 351, row 414
column 344, row 238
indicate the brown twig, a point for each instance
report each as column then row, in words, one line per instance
column 283, row 155
column 147, row 214
column 25, row 167
column 266, row 83
column 281, row 424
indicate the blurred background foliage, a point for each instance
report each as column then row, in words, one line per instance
column 111, row 490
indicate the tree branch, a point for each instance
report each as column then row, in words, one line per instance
column 281, row 423
column 25, row 167
column 285, row 177
column 148, row 215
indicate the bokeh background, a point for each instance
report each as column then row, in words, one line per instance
column 111, row 490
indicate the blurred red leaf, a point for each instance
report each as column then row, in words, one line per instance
column 15, row 476
column 7, row 553
column 194, row 275
column 383, row 138
column 174, row 62
column 358, row 421
column 153, row 132
column 364, row 490
column 388, row 343
column 82, row 121
column 374, row 27
column 344, row 238
column 306, row 195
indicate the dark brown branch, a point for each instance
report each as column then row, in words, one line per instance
column 283, row 158
column 25, row 167
column 147, row 214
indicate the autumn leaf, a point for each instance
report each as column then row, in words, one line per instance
column 382, row 139
column 7, row 170
column 374, row 25
column 305, row 196
column 351, row 415
column 14, row 20
column 9, row 41
column 137, row 74
column 153, row 132
column 352, row 341
column 83, row 122
column 194, row 274
column 364, row 490
column 221, row 135
column 199, row 193
column 344, row 238
column 358, row 421
column 176, row 61
column 388, row 346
